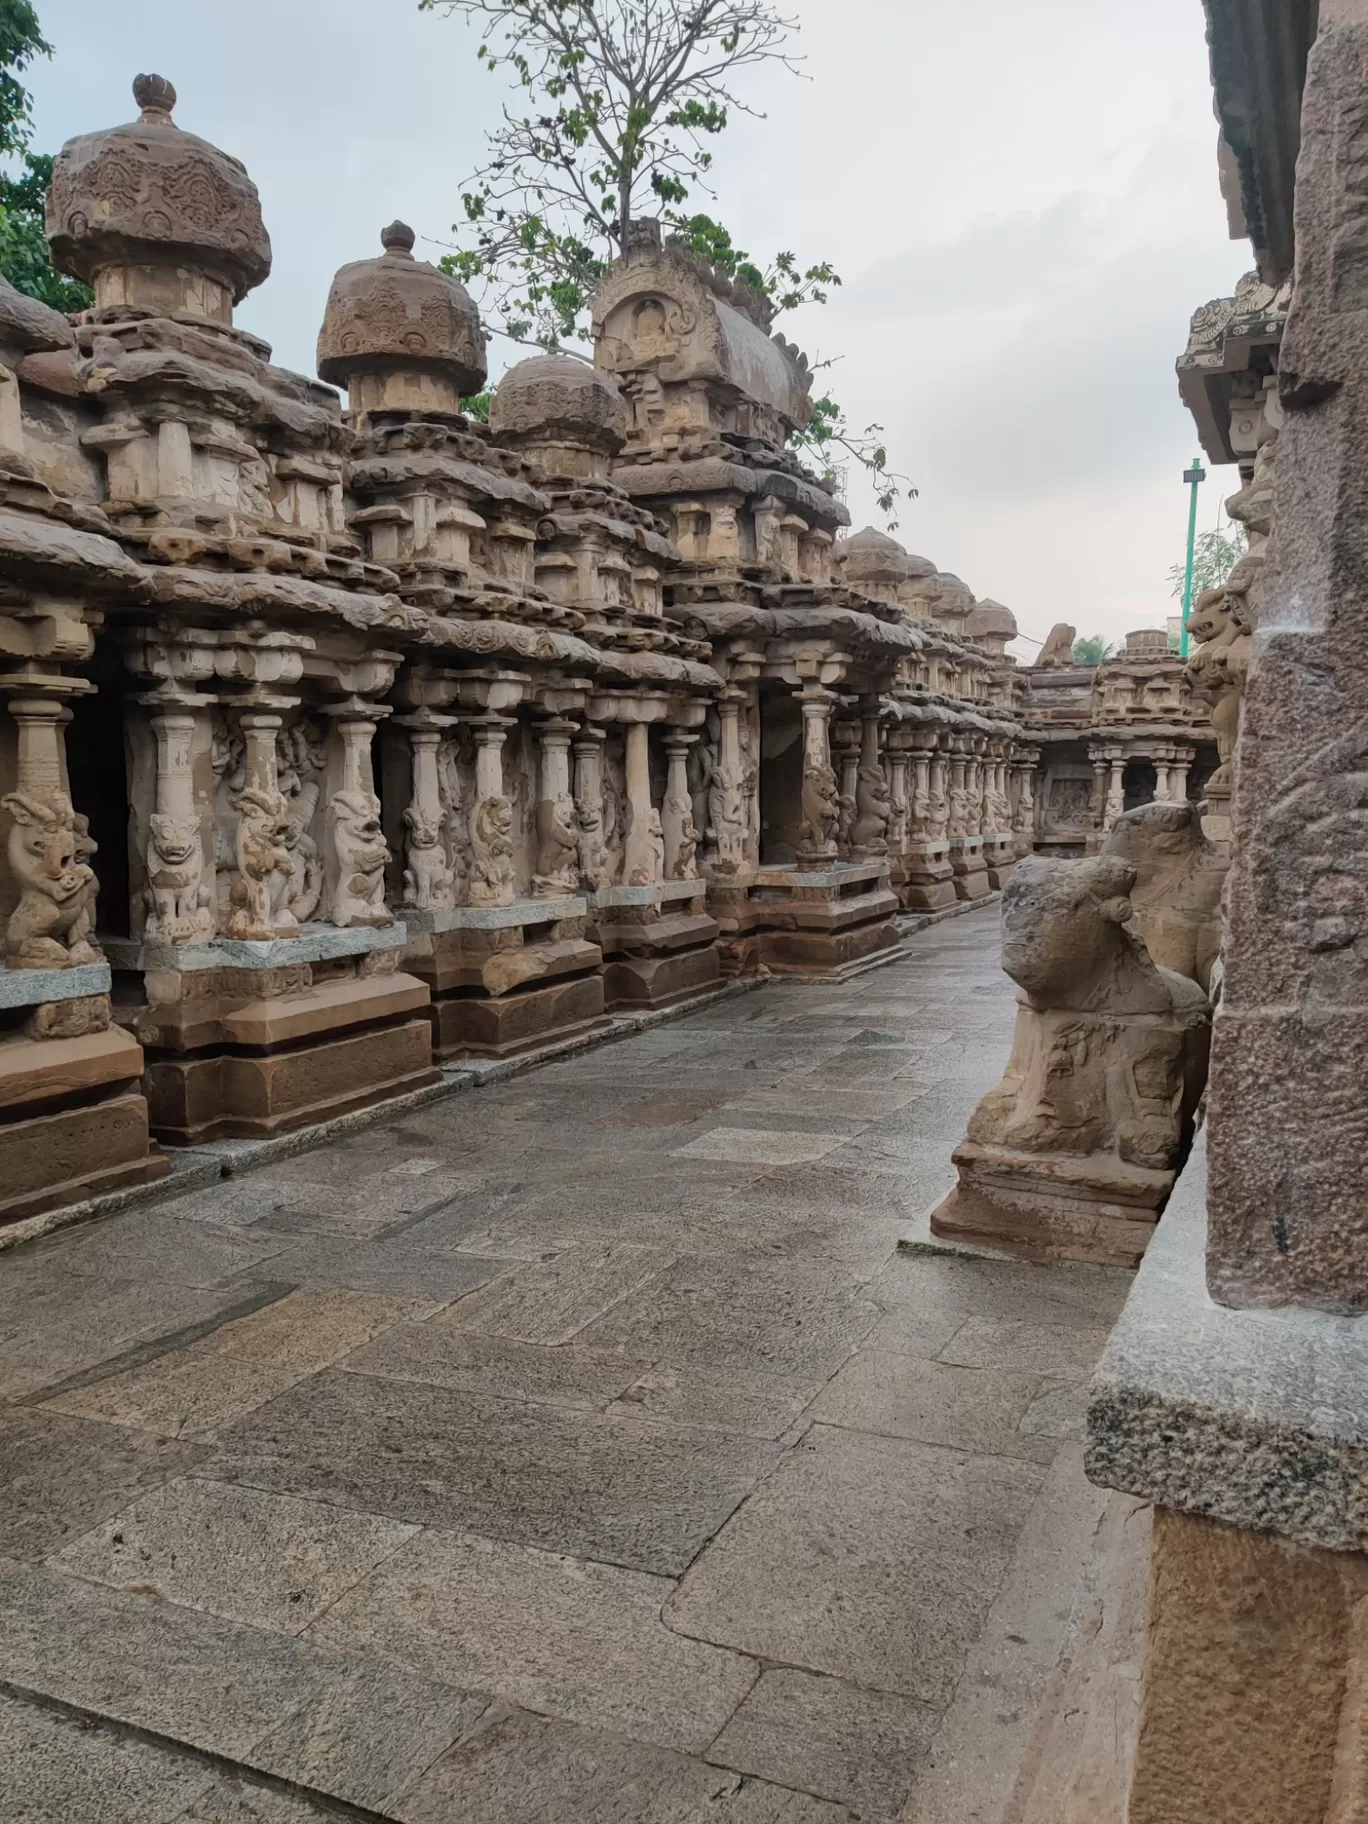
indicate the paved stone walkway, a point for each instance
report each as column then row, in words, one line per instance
column 573, row 1451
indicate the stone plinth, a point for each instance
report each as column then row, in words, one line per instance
column 1247, row 1430
column 248, row 1039
column 969, row 868
column 73, row 1119
column 506, row 979
column 659, row 943
column 923, row 876
column 829, row 921
column 999, row 858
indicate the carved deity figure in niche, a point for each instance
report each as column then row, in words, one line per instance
column 179, row 895
column 50, row 926
column 454, row 823
column 1076, row 1150
column 957, row 809
column 937, row 804
column 557, row 848
column 301, row 755
column 362, row 857
column 873, row 808
column 821, row 807
column 261, row 856
column 491, row 845
column 595, row 865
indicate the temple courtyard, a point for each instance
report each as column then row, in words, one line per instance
column 577, row 1446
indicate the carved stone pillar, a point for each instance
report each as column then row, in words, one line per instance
column 556, row 858
column 491, row 817
column 1178, row 776
column 179, row 890
column 595, row 864
column 1116, row 789
column 677, row 824
column 728, row 812
column 52, row 923
column 644, row 863
column 919, row 801
column 845, row 740
column 1097, row 804
column 821, row 796
column 357, row 853
column 938, row 802
column 957, row 818
column 899, row 808
column 869, row 832
column 429, row 876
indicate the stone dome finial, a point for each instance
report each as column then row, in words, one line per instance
column 394, row 316
column 555, row 399
column 398, row 240
column 155, row 218
column 154, row 94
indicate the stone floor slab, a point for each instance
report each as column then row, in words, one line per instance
column 445, row 1355
column 1056, row 1349
column 578, row 1641
column 187, row 1394
column 870, row 1558
column 62, row 1475
column 978, row 1410
column 59, row 1770
column 273, row 1561
column 402, row 1268
column 759, row 1146
column 556, row 1300
column 746, row 1403
column 716, row 1311
column 369, row 1734
column 153, row 1244
column 522, row 1769
column 619, row 1490
column 213, row 1684
column 829, row 1738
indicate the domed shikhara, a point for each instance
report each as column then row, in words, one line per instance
column 991, row 620
column 156, row 218
column 400, row 334
column 557, row 399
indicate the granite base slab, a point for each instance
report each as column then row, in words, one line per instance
column 1258, row 1418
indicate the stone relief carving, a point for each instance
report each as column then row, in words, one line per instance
column 362, row 855
column 1176, row 894
column 821, row 807
column 873, row 808
column 491, row 845
column 1078, row 1146
column 261, row 855
column 50, row 926
column 558, row 840
column 180, row 899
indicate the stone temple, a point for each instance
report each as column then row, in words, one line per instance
column 546, row 1272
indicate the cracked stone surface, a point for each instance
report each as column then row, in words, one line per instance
column 576, row 1450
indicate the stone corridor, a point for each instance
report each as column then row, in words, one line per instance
column 575, row 1448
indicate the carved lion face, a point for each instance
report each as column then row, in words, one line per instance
column 175, row 842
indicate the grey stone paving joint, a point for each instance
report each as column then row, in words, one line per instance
column 581, row 1450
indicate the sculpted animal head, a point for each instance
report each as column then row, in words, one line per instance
column 423, row 833
column 42, row 843
column 1062, row 925
column 1210, row 615
column 494, row 819
column 1152, row 830
column 175, row 842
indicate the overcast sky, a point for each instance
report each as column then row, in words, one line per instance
column 1020, row 196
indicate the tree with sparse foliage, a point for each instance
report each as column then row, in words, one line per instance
column 24, row 256
column 1091, row 649
column 620, row 101
column 1214, row 555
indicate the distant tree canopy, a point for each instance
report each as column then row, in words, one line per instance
column 1214, row 555
column 1091, row 649
column 622, row 98
column 24, row 257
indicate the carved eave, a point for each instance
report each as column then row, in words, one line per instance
column 141, row 378
column 1232, row 348
column 665, row 480
column 37, row 551
column 259, row 594
column 409, row 470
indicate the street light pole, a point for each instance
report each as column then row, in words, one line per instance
column 1194, row 476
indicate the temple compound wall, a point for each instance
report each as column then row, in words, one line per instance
column 342, row 740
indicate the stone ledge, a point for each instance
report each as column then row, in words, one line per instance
column 33, row 987
column 315, row 944
column 495, row 918
column 1255, row 1418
